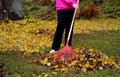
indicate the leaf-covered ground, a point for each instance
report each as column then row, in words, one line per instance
column 34, row 35
column 28, row 35
column 31, row 34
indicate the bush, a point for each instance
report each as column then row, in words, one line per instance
column 90, row 11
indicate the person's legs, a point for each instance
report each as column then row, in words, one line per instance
column 59, row 30
column 69, row 16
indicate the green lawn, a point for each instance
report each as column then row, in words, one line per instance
column 106, row 41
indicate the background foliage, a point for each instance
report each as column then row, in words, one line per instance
column 46, row 10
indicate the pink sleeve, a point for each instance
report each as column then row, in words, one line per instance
column 71, row 2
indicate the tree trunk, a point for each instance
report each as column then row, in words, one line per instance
column 14, row 9
column 2, row 9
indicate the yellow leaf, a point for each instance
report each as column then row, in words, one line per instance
column 73, row 63
column 48, row 64
column 55, row 73
column 64, row 69
column 45, row 74
column 44, row 61
column 84, row 69
column 4, row 11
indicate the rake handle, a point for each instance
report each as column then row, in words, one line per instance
column 71, row 25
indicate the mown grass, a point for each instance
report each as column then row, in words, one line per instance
column 104, row 38
column 15, row 65
column 106, row 41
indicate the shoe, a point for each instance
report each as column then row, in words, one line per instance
column 52, row 51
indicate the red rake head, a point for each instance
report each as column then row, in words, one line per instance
column 66, row 54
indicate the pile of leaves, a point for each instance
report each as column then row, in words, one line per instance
column 87, row 59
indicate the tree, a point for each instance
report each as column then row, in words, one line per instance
column 2, row 8
column 12, row 9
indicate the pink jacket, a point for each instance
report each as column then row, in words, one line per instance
column 65, row 4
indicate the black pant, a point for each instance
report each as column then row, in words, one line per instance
column 64, row 23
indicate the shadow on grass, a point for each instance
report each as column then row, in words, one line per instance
column 107, row 41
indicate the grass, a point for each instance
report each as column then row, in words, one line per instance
column 103, row 35
column 17, row 65
column 106, row 41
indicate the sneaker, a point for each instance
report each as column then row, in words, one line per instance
column 52, row 51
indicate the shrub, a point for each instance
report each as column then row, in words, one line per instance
column 90, row 11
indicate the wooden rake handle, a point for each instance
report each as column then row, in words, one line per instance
column 71, row 25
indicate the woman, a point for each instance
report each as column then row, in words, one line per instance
column 65, row 10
